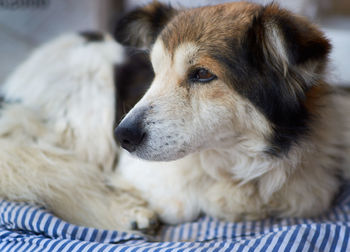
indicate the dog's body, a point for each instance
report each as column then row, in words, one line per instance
column 56, row 133
column 239, row 112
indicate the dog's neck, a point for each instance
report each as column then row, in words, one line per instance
column 241, row 164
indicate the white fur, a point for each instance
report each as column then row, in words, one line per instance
column 56, row 135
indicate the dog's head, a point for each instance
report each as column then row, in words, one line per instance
column 233, row 74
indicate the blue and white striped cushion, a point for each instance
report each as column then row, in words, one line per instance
column 27, row 228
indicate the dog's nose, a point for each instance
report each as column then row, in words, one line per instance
column 130, row 132
column 129, row 135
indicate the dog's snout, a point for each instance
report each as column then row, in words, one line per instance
column 129, row 136
column 130, row 132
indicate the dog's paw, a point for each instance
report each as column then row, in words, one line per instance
column 144, row 220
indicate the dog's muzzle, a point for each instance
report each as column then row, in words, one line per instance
column 130, row 132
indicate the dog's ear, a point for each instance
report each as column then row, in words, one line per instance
column 141, row 27
column 286, row 41
column 286, row 58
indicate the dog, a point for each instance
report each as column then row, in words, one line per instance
column 240, row 122
column 56, row 132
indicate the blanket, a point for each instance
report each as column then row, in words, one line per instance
column 25, row 227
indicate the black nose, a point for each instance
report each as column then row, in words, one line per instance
column 129, row 135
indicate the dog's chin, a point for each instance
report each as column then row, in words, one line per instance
column 164, row 155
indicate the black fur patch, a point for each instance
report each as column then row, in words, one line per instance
column 148, row 21
column 132, row 79
column 2, row 100
column 346, row 89
column 92, row 36
column 254, row 79
column 280, row 98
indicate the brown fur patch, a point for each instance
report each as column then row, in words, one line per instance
column 315, row 97
column 208, row 26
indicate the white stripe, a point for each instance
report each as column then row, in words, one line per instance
column 60, row 228
column 69, row 230
column 159, row 246
column 341, row 238
column 79, row 233
column 88, row 246
column 50, row 230
column 77, row 248
column 320, row 237
column 186, row 231
column 6, row 212
column 132, row 245
column 43, row 222
column 227, row 244
column 89, row 233
column 286, row 239
column 70, row 245
column 33, row 246
column 297, row 240
column 99, row 246
column 330, row 238
column 27, row 219
column 275, row 239
column 108, row 236
column 35, row 221
column 58, row 246
column 220, row 230
column 17, row 246
column 20, row 215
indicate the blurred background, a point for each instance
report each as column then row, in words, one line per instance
column 24, row 24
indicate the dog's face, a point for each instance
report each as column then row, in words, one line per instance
column 226, row 75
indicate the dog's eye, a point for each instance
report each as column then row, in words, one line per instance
column 202, row 75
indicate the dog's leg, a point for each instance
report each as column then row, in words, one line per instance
column 230, row 202
column 72, row 190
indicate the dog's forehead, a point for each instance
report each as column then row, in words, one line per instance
column 203, row 30
column 208, row 26
column 179, row 60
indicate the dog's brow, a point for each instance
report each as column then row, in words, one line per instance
column 183, row 56
column 160, row 57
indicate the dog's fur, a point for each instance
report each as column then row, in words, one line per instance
column 56, row 134
column 266, row 137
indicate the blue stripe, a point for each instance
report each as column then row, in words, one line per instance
column 91, row 249
column 31, row 219
column 346, row 239
column 74, row 233
column 63, row 245
column 103, row 236
column 64, row 231
column 4, row 212
column 335, row 238
column 94, row 235
column 73, row 245
column 83, row 234
column 24, row 215
column 292, row 239
column 36, row 230
column 103, row 248
column 314, row 238
column 40, row 219
column 47, row 225
column 304, row 239
column 55, row 229
column 325, row 238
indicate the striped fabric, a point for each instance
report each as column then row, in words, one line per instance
column 27, row 228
